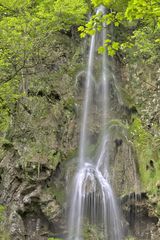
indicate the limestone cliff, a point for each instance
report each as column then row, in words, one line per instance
column 37, row 153
column 42, row 136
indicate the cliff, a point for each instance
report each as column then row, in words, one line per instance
column 38, row 151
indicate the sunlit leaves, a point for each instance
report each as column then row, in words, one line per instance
column 157, row 40
column 101, row 49
column 97, row 21
column 142, row 9
column 8, row 96
column 141, row 19
column 115, row 45
column 58, row 14
column 95, row 24
column 24, row 28
column 111, row 46
column 101, row 2
column 148, row 13
column 148, row 48
column 117, row 5
column 25, row 22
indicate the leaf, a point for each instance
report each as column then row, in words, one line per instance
column 81, row 29
column 82, row 35
column 111, row 51
column 115, row 45
column 116, row 24
column 101, row 50
column 107, row 40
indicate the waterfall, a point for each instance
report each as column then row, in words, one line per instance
column 83, row 135
column 93, row 201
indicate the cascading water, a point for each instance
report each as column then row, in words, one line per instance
column 93, row 201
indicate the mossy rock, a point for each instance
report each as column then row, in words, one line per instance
column 148, row 155
column 2, row 212
column 92, row 232
column 55, row 238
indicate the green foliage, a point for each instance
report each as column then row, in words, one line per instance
column 26, row 26
column 147, row 11
column 62, row 14
column 8, row 97
column 112, row 47
column 139, row 20
column 101, row 2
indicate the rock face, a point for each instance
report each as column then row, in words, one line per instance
column 134, row 157
column 139, row 216
column 43, row 136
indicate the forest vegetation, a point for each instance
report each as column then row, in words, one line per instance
column 27, row 32
column 26, row 27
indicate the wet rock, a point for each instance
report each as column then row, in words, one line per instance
column 43, row 134
column 140, row 216
column 155, row 231
column 17, row 229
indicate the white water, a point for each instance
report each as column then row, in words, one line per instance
column 93, row 201
column 88, row 92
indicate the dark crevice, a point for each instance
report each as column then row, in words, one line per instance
column 7, row 145
column 130, row 110
column 30, row 218
column 52, row 96
column 28, row 190
column 118, row 142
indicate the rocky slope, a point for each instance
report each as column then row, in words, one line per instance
column 42, row 135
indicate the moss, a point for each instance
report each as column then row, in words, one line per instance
column 3, row 233
column 71, row 153
column 54, row 238
column 158, row 208
column 92, row 232
column 57, row 191
column 54, row 157
column 127, row 98
column 59, row 195
column 130, row 238
column 69, row 104
column 149, row 164
column 2, row 212
column 40, row 153
column 120, row 130
column 2, row 153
